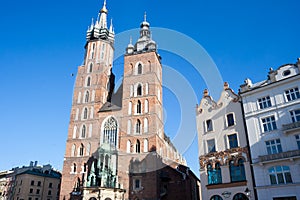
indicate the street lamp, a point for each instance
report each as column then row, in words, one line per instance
column 248, row 192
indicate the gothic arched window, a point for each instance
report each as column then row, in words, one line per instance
column 110, row 131
column 237, row 172
column 87, row 97
column 85, row 113
column 74, row 168
column 138, row 127
column 140, row 69
column 81, row 150
column 138, row 147
column 83, row 131
column 139, row 107
column 88, row 82
column 91, row 68
column 139, row 90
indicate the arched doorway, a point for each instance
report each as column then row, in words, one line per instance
column 216, row 197
column 93, row 198
column 240, row 196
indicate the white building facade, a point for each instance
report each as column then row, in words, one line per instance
column 272, row 115
column 225, row 171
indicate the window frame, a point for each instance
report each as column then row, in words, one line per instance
column 264, row 102
column 236, row 139
column 290, row 92
column 275, row 147
column 295, row 116
column 227, row 120
column 237, row 172
column 297, row 137
column 134, row 183
column 207, row 128
column 208, row 146
column 280, row 176
column 214, row 175
column 268, row 123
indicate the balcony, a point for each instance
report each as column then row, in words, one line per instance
column 291, row 128
column 279, row 156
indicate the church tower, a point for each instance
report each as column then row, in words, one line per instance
column 142, row 95
column 92, row 90
column 111, row 133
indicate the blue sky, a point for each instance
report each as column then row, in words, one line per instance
column 41, row 44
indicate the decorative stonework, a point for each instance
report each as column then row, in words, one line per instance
column 223, row 157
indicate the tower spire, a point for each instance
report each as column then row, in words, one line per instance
column 145, row 16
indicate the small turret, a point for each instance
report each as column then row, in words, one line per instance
column 145, row 42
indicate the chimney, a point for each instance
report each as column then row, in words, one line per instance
column 35, row 163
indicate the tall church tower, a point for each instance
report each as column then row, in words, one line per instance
column 92, row 90
column 112, row 133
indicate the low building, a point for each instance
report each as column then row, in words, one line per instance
column 31, row 182
column 272, row 114
column 225, row 170
column 5, row 182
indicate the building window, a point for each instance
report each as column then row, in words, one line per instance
column 139, row 90
column 269, row 123
column 79, row 97
column 74, row 168
column 137, row 184
column 129, row 127
column 273, row 146
column 280, row 175
column 138, row 127
column 233, row 142
column 237, row 172
column 50, row 185
column 29, row 198
column 88, row 82
column 49, row 192
column 32, row 183
column 30, row 190
column 37, row 191
column 39, row 183
column 128, row 146
column 145, row 125
column 264, row 102
column 83, row 131
column 211, row 145
column 138, row 147
column 87, row 96
column 214, row 175
column 295, row 114
column 298, row 140
column 81, row 150
column 140, row 69
column 139, row 107
column 88, row 149
column 146, row 106
column 110, row 131
column 209, row 125
column 129, row 108
column 74, row 132
column 85, row 113
column 91, row 68
column 292, row 94
column 73, row 151
column 230, row 119
column 146, row 144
